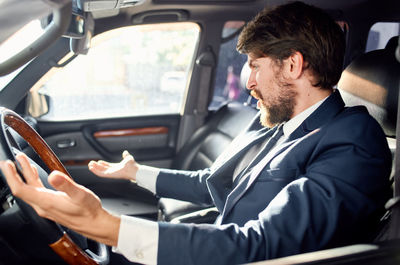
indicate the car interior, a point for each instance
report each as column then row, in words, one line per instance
column 163, row 80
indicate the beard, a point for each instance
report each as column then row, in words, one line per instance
column 277, row 108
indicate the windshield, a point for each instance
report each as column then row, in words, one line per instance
column 19, row 40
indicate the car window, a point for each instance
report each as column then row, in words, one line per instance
column 230, row 63
column 130, row 71
column 380, row 33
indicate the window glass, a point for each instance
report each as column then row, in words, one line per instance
column 131, row 71
column 380, row 33
column 230, row 62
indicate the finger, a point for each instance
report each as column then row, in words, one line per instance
column 100, row 165
column 97, row 168
column 99, row 162
column 14, row 181
column 125, row 154
column 38, row 180
column 28, row 170
column 91, row 164
column 62, row 182
column 104, row 163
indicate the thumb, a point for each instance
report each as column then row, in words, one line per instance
column 125, row 154
column 64, row 183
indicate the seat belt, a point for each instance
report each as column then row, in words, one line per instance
column 206, row 61
column 391, row 220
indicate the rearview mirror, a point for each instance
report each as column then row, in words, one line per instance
column 81, row 45
column 79, row 31
column 76, row 28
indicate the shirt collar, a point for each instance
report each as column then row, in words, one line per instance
column 295, row 122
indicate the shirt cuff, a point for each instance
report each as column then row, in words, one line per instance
column 146, row 177
column 138, row 240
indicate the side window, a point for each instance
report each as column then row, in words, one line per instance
column 380, row 33
column 230, row 63
column 130, row 71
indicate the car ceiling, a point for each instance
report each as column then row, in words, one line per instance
column 206, row 10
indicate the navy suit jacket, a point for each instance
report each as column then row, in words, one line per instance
column 321, row 188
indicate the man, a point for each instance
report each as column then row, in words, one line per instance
column 318, row 185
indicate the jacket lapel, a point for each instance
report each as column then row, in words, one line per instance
column 327, row 111
column 239, row 146
column 252, row 175
column 220, row 181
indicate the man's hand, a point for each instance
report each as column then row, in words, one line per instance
column 126, row 169
column 71, row 205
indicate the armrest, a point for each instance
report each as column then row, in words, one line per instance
column 171, row 208
column 202, row 216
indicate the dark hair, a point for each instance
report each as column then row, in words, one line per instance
column 279, row 32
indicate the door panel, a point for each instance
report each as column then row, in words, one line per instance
column 111, row 141
column 152, row 141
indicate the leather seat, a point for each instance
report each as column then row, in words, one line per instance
column 373, row 80
column 202, row 149
column 206, row 144
column 213, row 137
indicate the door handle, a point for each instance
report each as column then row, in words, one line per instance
column 67, row 143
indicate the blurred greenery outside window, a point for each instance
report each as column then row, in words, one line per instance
column 130, row 71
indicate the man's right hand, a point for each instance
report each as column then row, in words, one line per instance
column 126, row 169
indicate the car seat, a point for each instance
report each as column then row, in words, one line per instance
column 373, row 80
column 201, row 150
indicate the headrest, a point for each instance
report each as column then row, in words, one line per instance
column 392, row 43
column 372, row 80
column 244, row 76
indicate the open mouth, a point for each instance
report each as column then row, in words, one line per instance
column 257, row 96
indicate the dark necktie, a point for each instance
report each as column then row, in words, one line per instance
column 261, row 154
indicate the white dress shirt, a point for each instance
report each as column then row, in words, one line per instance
column 138, row 238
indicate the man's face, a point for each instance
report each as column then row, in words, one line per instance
column 276, row 98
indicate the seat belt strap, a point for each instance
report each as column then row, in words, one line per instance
column 206, row 61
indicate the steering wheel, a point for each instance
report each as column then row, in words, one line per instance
column 56, row 237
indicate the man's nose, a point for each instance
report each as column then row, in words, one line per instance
column 251, row 82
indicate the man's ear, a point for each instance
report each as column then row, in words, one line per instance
column 295, row 65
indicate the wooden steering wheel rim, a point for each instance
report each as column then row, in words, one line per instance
column 35, row 141
column 64, row 247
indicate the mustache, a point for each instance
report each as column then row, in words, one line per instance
column 256, row 94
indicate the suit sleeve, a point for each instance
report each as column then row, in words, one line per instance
column 343, row 184
column 184, row 185
column 191, row 185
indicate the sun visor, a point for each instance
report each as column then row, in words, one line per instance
column 16, row 14
column 104, row 5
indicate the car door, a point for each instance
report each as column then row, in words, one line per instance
column 127, row 93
